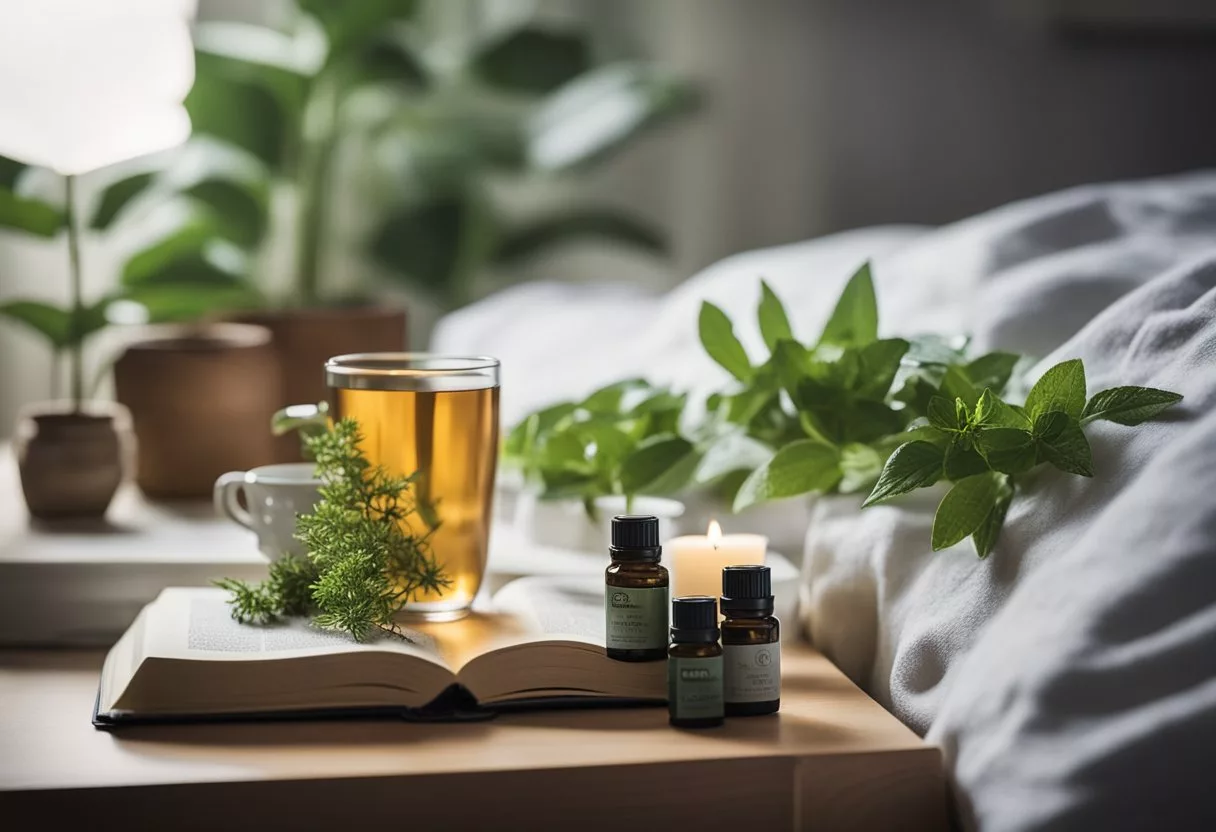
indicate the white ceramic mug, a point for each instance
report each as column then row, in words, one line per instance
column 274, row 495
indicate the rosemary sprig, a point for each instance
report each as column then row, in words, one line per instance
column 365, row 559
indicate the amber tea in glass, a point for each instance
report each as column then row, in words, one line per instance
column 436, row 415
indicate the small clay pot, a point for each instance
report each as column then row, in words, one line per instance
column 305, row 338
column 201, row 398
column 70, row 463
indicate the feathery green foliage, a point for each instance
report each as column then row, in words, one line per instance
column 365, row 559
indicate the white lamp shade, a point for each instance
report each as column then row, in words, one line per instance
column 89, row 83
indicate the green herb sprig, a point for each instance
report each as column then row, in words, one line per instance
column 622, row 439
column 982, row 444
column 364, row 561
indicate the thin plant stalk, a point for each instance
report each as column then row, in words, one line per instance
column 76, row 321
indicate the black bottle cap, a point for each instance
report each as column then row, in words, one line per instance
column 747, row 589
column 694, row 618
column 635, row 537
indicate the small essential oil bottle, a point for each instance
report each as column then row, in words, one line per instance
column 636, row 591
column 694, row 664
column 751, row 642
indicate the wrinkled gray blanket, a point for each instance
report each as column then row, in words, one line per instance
column 1071, row 677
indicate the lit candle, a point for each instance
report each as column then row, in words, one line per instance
column 697, row 559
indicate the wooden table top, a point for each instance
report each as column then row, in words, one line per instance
column 834, row 741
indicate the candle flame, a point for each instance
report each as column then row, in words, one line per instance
column 714, row 533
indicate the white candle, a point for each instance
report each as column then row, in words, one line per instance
column 697, row 560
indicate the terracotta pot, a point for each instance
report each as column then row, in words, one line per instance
column 70, row 462
column 201, row 400
column 305, row 338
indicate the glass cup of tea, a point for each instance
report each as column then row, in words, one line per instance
column 438, row 416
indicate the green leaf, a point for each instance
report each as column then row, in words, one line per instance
column 955, row 385
column 860, row 466
column 116, row 197
column 252, row 106
column 774, row 324
column 991, row 370
column 943, row 414
column 964, row 508
column 607, row 399
column 854, row 321
column 991, row 411
column 962, row 461
column 798, row 468
column 389, row 59
column 718, row 339
column 348, row 24
column 421, row 243
column 532, row 60
column 868, row 421
column 914, row 465
column 54, row 323
column 30, row 215
column 1008, row 450
column 600, row 111
column 791, row 362
column 1061, row 388
column 239, row 211
column 879, row 364
column 530, row 239
column 10, row 172
column 1128, row 405
column 1069, row 450
column 729, row 453
column 651, row 460
column 1050, row 425
column 189, row 301
column 985, row 537
column 184, row 255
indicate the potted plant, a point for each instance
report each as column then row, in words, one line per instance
column 69, row 456
column 614, row 452
column 422, row 119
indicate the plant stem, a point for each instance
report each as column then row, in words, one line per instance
column 316, row 161
column 75, row 323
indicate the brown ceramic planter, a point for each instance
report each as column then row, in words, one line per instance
column 70, row 463
column 201, row 399
column 305, row 338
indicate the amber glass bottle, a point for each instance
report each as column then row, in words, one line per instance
column 694, row 664
column 751, row 642
column 636, row 592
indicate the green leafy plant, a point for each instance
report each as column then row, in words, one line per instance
column 365, row 560
column 622, row 439
column 982, row 445
column 380, row 93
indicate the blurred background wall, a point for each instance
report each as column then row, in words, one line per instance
column 822, row 115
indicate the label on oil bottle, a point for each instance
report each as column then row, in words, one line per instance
column 752, row 672
column 694, row 688
column 636, row 619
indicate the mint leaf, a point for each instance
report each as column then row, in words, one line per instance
column 729, row 453
column 943, row 414
column 718, row 338
column 774, row 324
column 1061, row 388
column 1008, row 450
column 860, row 465
column 964, row 508
column 1128, row 405
column 798, row 468
column 990, row 410
column 992, row 370
column 791, row 362
column 652, row 460
column 1069, row 450
column 854, row 321
column 955, row 385
column 962, row 460
column 914, row 465
column 985, row 537
column 1049, row 425
column 607, row 399
column 879, row 362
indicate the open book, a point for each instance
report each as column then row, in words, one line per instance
column 540, row 643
